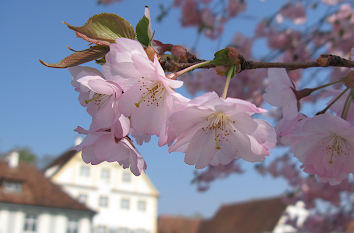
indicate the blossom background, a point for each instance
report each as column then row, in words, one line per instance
column 39, row 107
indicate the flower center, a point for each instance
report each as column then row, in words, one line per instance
column 218, row 123
column 152, row 92
column 336, row 145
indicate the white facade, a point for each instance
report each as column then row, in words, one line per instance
column 124, row 203
column 291, row 212
column 16, row 218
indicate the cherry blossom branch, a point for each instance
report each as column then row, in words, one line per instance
column 325, row 60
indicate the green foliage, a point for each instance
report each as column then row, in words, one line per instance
column 80, row 57
column 221, row 58
column 142, row 31
column 26, row 155
column 105, row 27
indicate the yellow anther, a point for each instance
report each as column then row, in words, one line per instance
column 146, row 95
column 216, row 140
column 95, row 97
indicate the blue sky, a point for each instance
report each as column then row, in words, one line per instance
column 39, row 107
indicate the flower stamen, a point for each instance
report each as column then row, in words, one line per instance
column 336, row 145
column 151, row 91
column 218, row 121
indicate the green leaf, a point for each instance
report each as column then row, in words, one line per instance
column 221, row 58
column 142, row 31
column 80, row 57
column 105, row 27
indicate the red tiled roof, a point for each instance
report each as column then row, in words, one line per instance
column 177, row 224
column 255, row 216
column 36, row 189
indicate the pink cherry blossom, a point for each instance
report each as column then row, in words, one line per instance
column 234, row 7
column 286, row 127
column 148, row 93
column 325, row 146
column 280, row 93
column 212, row 130
column 295, row 12
column 108, row 2
column 151, row 98
column 100, row 97
column 122, row 61
column 332, row 2
column 102, row 145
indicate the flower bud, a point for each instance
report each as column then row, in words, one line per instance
column 323, row 60
column 180, row 53
column 235, row 58
column 349, row 79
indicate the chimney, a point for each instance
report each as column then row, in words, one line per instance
column 78, row 140
column 13, row 159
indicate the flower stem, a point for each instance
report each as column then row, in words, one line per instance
column 347, row 104
column 190, row 68
column 333, row 101
column 229, row 76
column 327, row 84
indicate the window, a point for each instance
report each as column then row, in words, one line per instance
column 100, row 229
column 124, row 203
column 126, row 177
column 12, row 187
column 82, row 198
column 103, row 201
column 73, row 226
column 142, row 205
column 30, row 223
column 105, row 174
column 84, row 171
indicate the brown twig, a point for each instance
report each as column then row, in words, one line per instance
column 325, row 60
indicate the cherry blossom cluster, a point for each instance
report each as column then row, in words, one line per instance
column 133, row 96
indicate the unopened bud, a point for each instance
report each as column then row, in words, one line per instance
column 180, row 53
column 323, row 60
column 150, row 52
column 233, row 55
column 349, row 79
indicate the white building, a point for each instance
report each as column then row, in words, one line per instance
column 30, row 203
column 124, row 203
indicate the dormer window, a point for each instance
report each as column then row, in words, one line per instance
column 30, row 224
column 12, row 186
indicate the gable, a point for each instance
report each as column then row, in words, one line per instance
column 70, row 173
